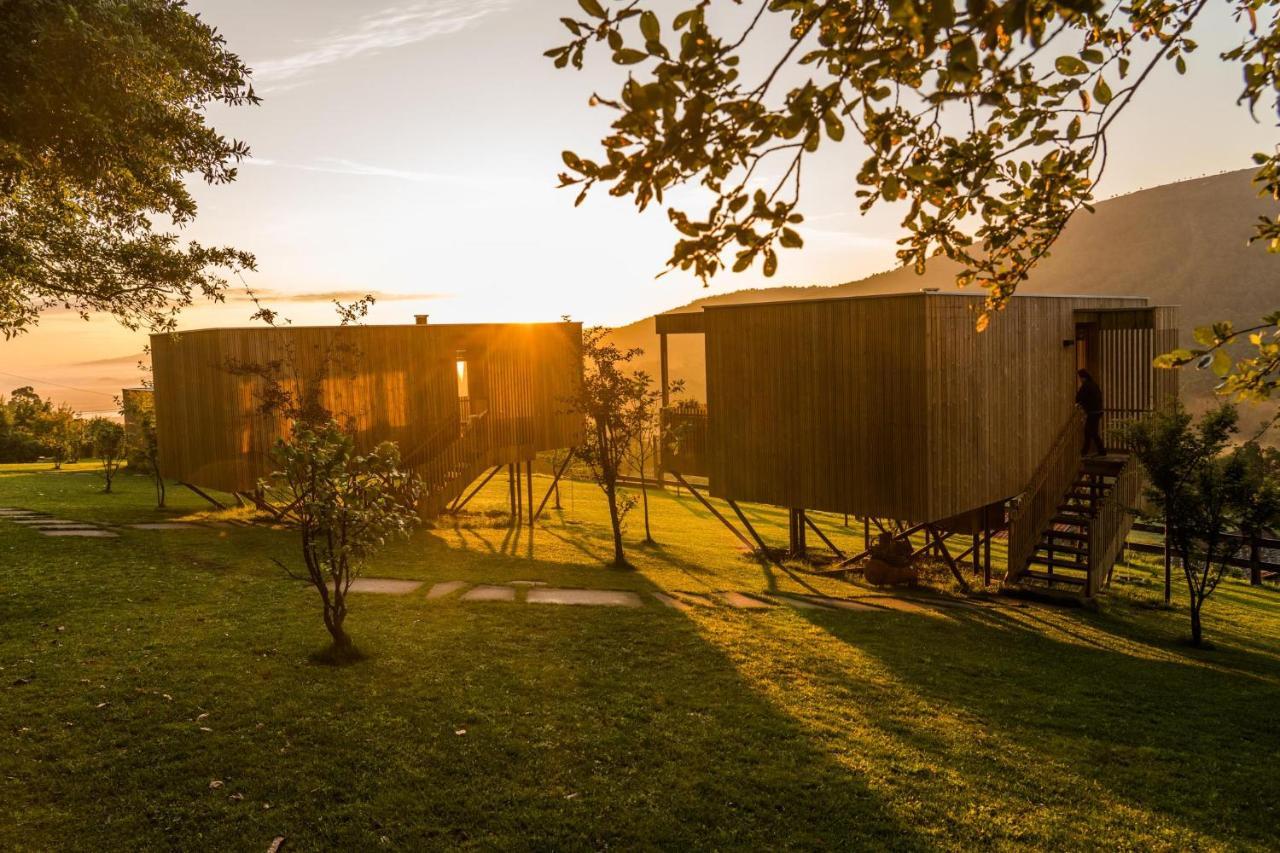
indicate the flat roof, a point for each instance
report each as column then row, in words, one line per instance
column 910, row 294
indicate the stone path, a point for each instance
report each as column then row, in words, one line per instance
column 538, row 592
column 48, row 525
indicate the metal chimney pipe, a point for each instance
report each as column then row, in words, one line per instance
column 420, row 319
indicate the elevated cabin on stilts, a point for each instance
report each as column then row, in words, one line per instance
column 896, row 410
column 458, row 399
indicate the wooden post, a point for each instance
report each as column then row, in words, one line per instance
column 986, row 546
column 977, row 541
column 866, row 533
column 799, row 547
column 511, row 489
column 529, row 480
column 1255, row 562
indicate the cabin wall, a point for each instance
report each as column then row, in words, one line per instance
column 996, row 400
column 817, row 404
column 396, row 383
column 524, row 376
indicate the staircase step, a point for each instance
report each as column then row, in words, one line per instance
column 1059, row 548
column 1072, row 565
column 1073, row 519
column 1074, row 535
column 1076, row 509
column 1052, row 579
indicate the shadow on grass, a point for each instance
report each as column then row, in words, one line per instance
column 1123, row 722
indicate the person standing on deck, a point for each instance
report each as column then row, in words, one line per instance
column 1089, row 398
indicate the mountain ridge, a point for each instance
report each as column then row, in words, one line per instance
column 1183, row 244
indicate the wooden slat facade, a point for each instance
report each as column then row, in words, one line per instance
column 894, row 406
column 397, row 383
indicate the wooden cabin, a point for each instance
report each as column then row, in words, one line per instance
column 895, row 408
column 456, row 398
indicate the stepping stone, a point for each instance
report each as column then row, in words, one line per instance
column 669, row 601
column 738, row 601
column 85, row 534
column 697, row 598
column 63, row 525
column 41, row 519
column 601, row 597
column 491, row 593
column 838, row 603
column 384, row 585
column 528, row 583
column 440, row 590
column 801, row 603
column 164, row 525
column 17, row 513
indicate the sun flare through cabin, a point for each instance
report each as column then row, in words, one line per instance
column 895, row 409
column 458, row 399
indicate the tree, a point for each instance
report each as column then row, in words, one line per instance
column 347, row 507
column 613, row 399
column 1260, row 514
column 108, row 445
column 143, row 446
column 1204, row 491
column 988, row 121
column 102, row 117
column 63, row 433
column 643, row 450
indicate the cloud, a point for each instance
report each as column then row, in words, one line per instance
column 342, row 166
column 130, row 360
column 389, row 28
column 268, row 296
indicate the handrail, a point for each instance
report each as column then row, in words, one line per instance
column 1043, row 493
column 1113, row 516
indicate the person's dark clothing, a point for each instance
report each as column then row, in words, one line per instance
column 1089, row 398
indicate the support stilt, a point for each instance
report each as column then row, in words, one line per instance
column 713, row 510
column 764, row 549
column 839, row 554
column 555, row 486
column 462, row 502
column 529, row 481
column 219, row 504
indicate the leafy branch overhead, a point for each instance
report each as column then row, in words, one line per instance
column 102, row 120
column 986, row 121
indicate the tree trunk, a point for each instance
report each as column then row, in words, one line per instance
column 619, row 557
column 1168, row 563
column 557, row 489
column 1197, row 634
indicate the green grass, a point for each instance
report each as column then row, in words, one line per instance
column 138, row 670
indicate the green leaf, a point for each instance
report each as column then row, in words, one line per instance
column 1205, row 336
column 1071, row 66
column 1102, row 92
column 649, row 26
column 1221, row 363
column 627, row 56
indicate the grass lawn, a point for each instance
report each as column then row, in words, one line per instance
column 157, row 691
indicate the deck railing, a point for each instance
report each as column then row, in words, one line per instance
column 1044, row 491
column 1112, row 518
column 684, row 438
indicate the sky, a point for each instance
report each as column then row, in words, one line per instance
column 410, row 149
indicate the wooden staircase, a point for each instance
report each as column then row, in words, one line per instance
column 1061, row 556
column 450, row 461
column 1070, row 523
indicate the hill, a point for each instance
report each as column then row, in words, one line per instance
column 1180, row 244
